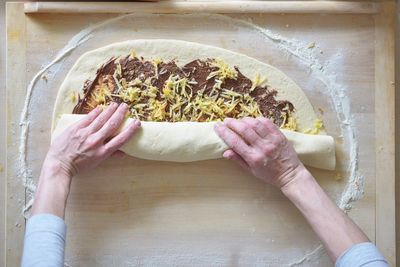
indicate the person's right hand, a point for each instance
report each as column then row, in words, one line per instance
column 261, row 148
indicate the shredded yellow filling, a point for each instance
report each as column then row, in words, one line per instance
column 177, row 101
column 223, row 71
column 257, row 81
column 132, row 54
column 73, row 97
column 291, row 124
column 317, row 127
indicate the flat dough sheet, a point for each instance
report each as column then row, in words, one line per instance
column 194, row 141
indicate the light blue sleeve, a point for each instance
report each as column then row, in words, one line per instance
column 362, row 255
column 44, row 241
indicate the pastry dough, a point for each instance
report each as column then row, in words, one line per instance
column 191, row 141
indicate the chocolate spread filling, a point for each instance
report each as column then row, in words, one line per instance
column 198, row 70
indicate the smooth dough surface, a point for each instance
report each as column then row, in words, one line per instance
column 194, row 141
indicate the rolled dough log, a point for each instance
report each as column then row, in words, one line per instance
column 193, row 141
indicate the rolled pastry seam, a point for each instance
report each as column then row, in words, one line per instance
column 194, row 141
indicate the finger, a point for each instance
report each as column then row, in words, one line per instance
column 247, row 133
column 273, row 131
column 112, row 124
column 232, row 155
column 102, row 118
column 120, row 139
column 233, row 140
column 88, row 118
column 257, row 125
column 269, row 125
column 118, row 154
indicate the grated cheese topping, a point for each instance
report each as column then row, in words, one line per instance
column 176, row 100
column 318, row 126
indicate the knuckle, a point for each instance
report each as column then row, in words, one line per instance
column 119, row 141
column 225, row 133
column 281, row 140
column 73, row 130
column 257, row 123
column 81, row 135
column 257, row 159
column 88, row 120
column 241, row 128
column 274, row 150
column 268, row 150
column 92, row 142
column 109, row 149
column 242, row 131
column 113, row 125
column 102, row 121
column 101, row 153
column 267, row 122
column 235, row 142
column 106, row 150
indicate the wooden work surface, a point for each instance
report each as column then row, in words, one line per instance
column 134, row 212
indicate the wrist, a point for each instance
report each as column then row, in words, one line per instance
column 53, row 173
column 53, row 189
column 301, row 180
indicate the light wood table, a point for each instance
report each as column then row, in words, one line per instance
column 2, row 161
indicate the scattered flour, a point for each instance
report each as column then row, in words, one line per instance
column 355, row 186
column 296, row 48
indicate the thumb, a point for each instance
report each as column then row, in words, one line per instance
column 118, row 154
column 232, row 155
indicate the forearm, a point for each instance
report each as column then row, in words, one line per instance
column 52, row 191
column 335, row 229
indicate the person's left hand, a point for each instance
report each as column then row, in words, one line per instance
column 90, row 141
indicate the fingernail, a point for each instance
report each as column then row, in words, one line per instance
column 137, row 123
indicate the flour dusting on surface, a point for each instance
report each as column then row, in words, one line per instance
column 355, row 186
column 24, row 171
column 296, row 48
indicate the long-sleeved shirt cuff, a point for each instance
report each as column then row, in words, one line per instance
column 362, row 255
column 44, row 241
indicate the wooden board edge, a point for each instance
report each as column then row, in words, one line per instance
column 277, row 7
column 15, row 90
column 397, row 115
column 385, row 219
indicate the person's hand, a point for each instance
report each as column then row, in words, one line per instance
column 261, row 148
column 90, row 141
column 83, row 145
